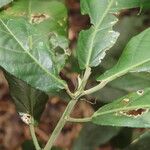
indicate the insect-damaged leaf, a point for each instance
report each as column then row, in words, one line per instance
column 93, row 43
column 122, row 86
column 4, row 2
column 129, row 111
column 50, row 18
column 25, row 54
column 135, row 57
column 30, row 103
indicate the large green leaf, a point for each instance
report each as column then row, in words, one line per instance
column 30, row 102
column 93, row 43
column 132, row 82
column 50, row 18
column 25, row 54
column 130, row 111
column 135, row 57
column 4, row 2
column 98, row 135
column 129, row 83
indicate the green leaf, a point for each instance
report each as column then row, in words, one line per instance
column 59, row 45
column 28, row 55
column 98, row 135
column 94, row 42
column 121, row 86
column 142, row 143
column 30, row 103
column 50, row 18
column 5, row 2
column 135, row 57
column 129, row 111
column 132, row 82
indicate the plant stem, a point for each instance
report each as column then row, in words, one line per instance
column 75, row 96
column 94, row 89
column 79, row 120
column 86, row 77
column 35, row 141
column 60, row 124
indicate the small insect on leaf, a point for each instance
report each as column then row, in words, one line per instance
column 26, row 118
column 134, row 113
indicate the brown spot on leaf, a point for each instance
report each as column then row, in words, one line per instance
column 38, row 18
column 134, row 113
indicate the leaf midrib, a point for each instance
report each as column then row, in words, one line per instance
column 33, row 58
column 95, row 31
column 114, row 76
column 97, row 114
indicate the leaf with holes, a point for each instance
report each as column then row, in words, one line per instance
column 93, row 43
column 5, row 2
column 26, row 99
column 47, row 16
column 50, row 18
column 130, row 111
column 122, row 86
column 25, row 54
column 135, row 57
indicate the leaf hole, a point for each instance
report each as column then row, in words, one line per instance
column 38, row 18
column 140, row 92
column 26, row 118
column 134, row 113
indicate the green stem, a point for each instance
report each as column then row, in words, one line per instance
column 81, row 87
column 60, row 124
column 94, row 89
column 75, row 96
column 35, row 141
column 79, row 120
column 86, row 77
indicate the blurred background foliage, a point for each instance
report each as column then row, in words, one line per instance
column 14, row 134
